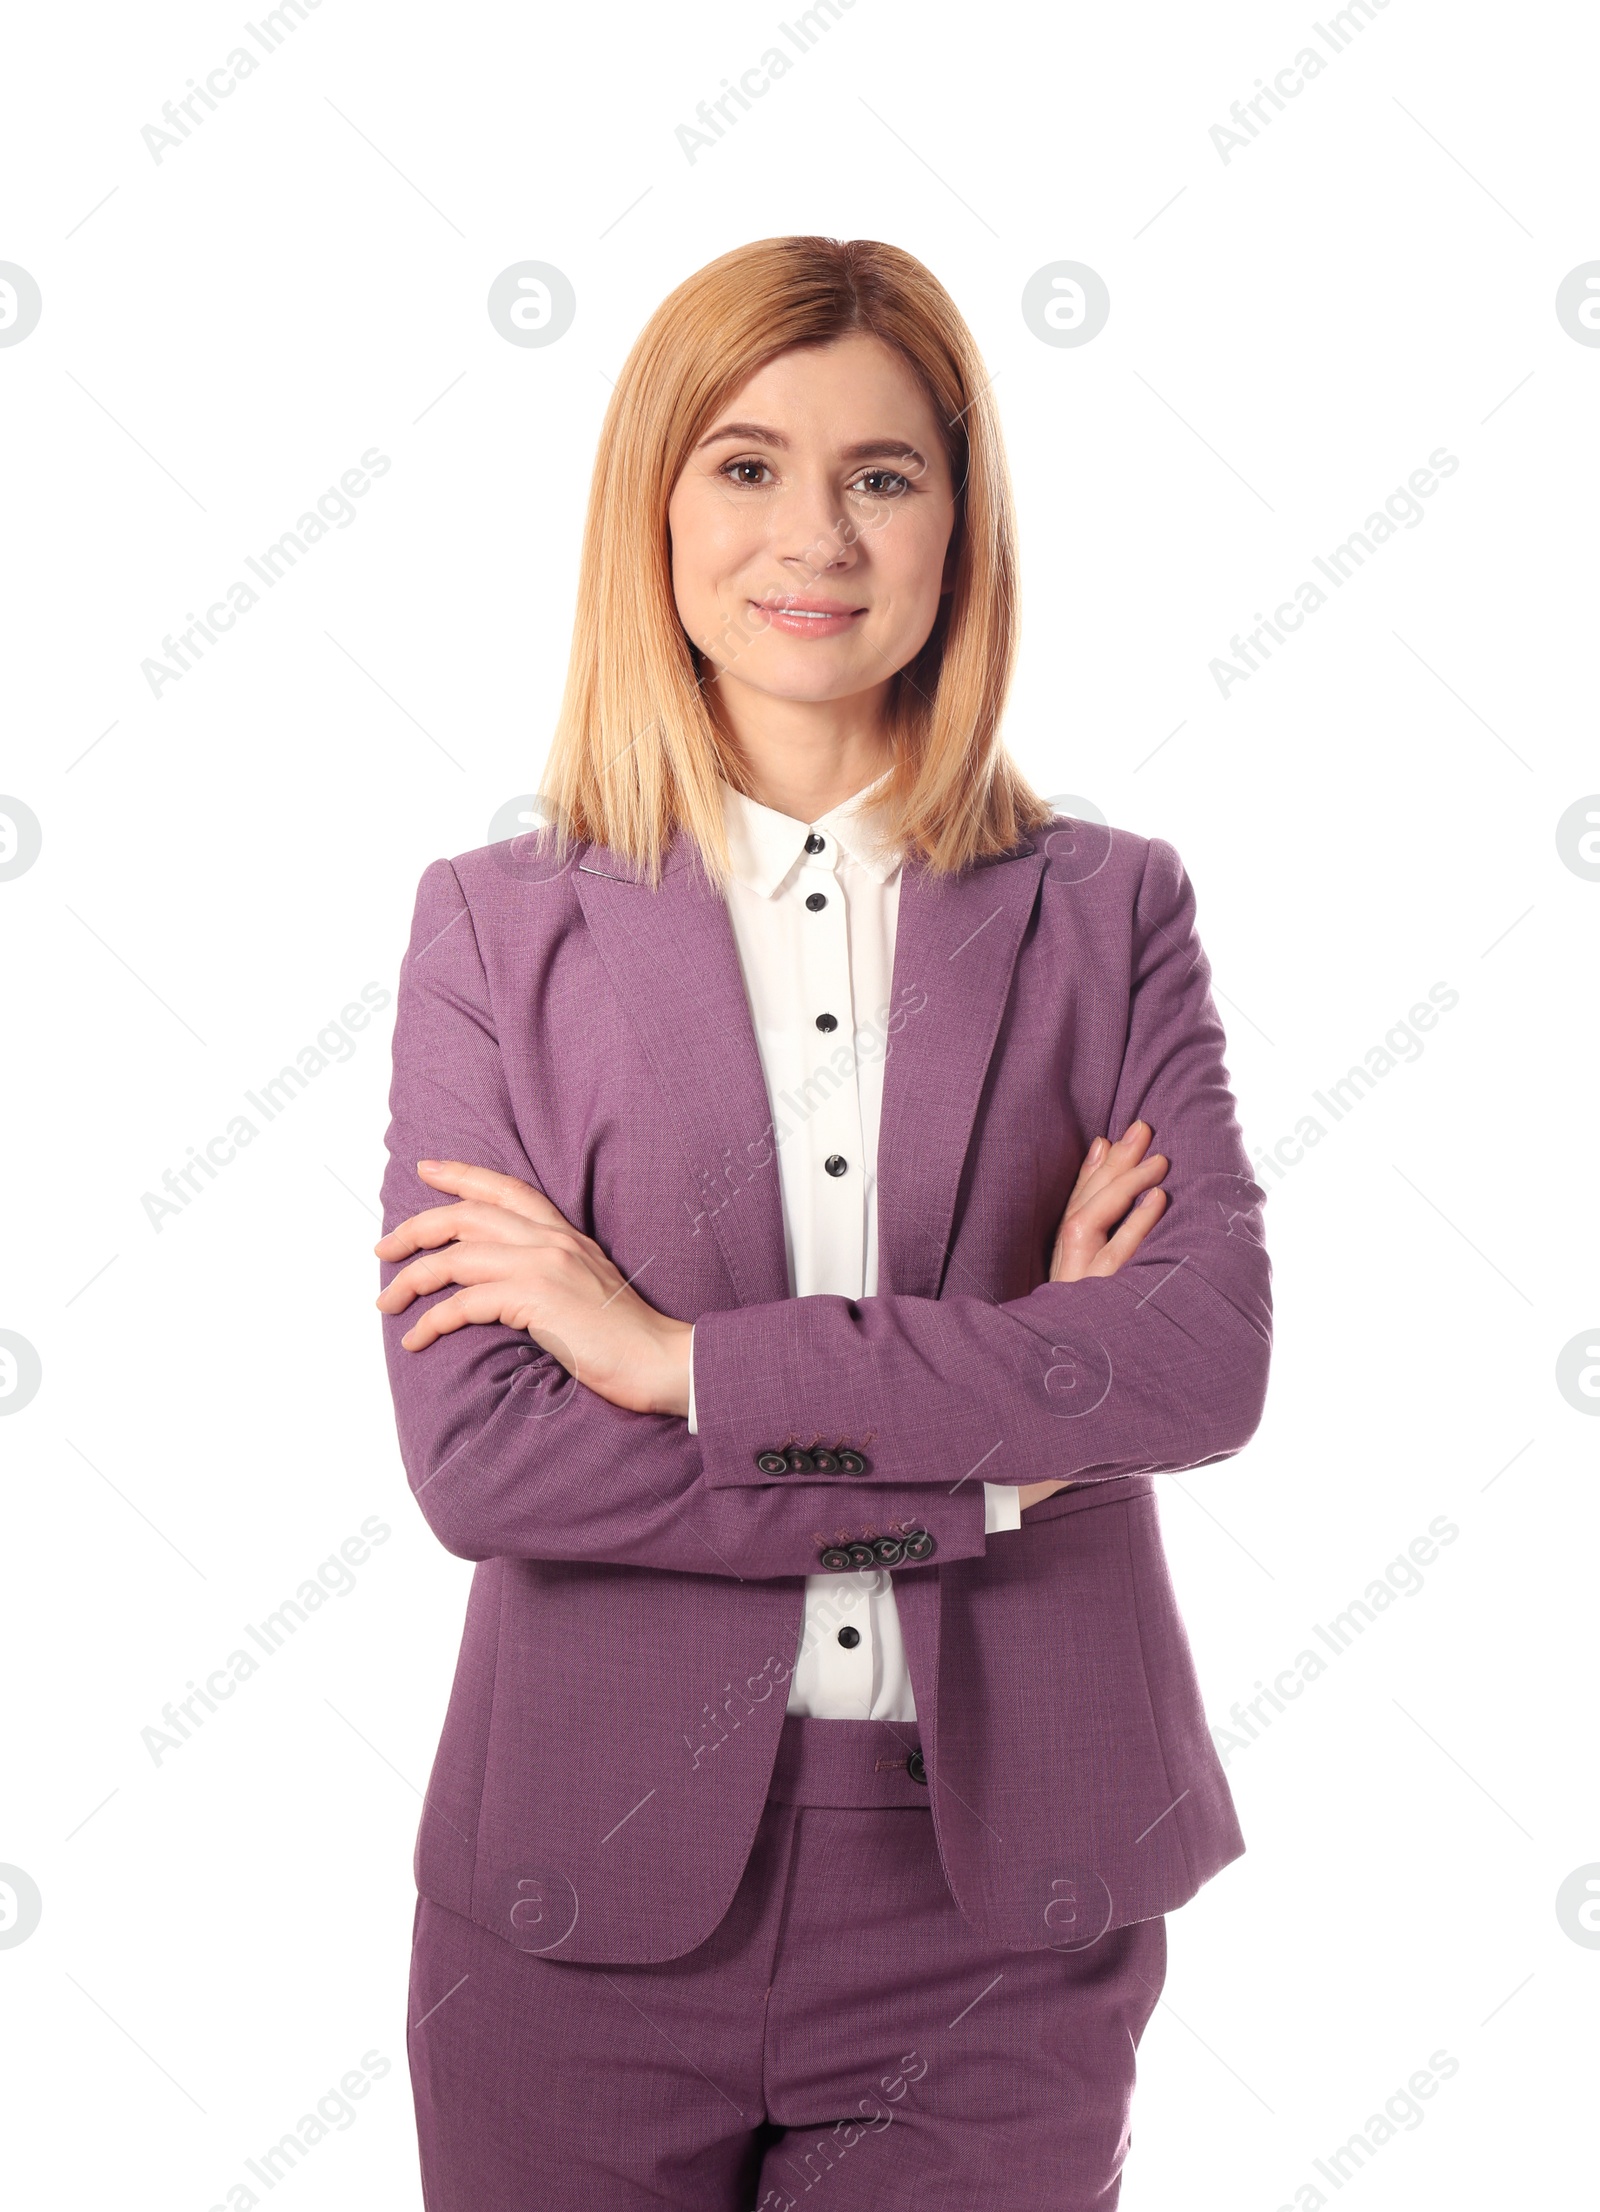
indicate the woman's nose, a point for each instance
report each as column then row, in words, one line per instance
column 813, row 530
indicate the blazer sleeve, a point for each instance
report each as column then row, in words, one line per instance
column 1002, row 1501
column 506, row 1454
column 1160, row 1366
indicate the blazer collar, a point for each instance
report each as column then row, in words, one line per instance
column 674, row 962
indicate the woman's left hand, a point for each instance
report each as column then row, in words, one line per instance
column 520, row 1261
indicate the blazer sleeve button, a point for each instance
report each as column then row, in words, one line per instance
column 833, row 1559
column 799, row 1462
column 890, row 1551
column 824, row 1463
column 772, row 1463
column 862, row 1555
column 851, row 1463
column 920, row 1546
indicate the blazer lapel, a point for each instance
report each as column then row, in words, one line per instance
column 956, row 944
column 674, row 962
column 672, row 957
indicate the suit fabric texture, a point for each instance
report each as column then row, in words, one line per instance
column 842, row 2030
column 619, row 1698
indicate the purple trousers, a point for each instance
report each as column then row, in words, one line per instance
column 843, row 2038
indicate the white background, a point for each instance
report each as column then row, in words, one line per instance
column 1292, row 332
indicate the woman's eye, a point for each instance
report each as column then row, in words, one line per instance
column 877, row 483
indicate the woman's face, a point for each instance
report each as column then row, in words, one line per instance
column 811, row 525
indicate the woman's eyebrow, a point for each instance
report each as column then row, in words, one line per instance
column 896, row 448
column 864, row 450
column 743, row 430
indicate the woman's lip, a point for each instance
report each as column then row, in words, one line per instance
column 799, row 619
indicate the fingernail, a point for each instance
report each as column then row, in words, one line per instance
column 1145, row 1197
column 1128, row 1132
column 1095, row 1151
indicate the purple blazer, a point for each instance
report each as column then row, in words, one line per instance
column 637, row 1606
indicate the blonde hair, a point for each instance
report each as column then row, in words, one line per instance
column 638, row 751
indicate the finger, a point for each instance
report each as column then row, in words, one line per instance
column 487, row 1182
column 1132, row 1142
column 1115, row 1158
column 439, row 1224
column 1087, row 1222
column 483, row 1302
column 457, row 1263
column 466, row 1217
column 1103, row 1207
column 1131, row 1235
column 1091, row 1160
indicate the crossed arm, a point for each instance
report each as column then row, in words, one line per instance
column 540, row 1405
column 517, row 1260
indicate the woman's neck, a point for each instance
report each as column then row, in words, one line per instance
column 803, row 758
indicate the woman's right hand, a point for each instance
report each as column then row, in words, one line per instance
column 1093, row 1238
column 1113, row 1179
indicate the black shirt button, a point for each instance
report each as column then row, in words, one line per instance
column 836, row 1163
column 814, row 843
column 817, row 901
column 849, row 1637
column 916, row 1768
column 772, row 1463
column 827, row 1023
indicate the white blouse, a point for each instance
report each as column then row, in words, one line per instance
column 819, row 983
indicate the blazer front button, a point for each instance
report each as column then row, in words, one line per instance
column 772, row 1463
column 917, row 1769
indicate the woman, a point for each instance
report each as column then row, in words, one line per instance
column 824, row 1750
